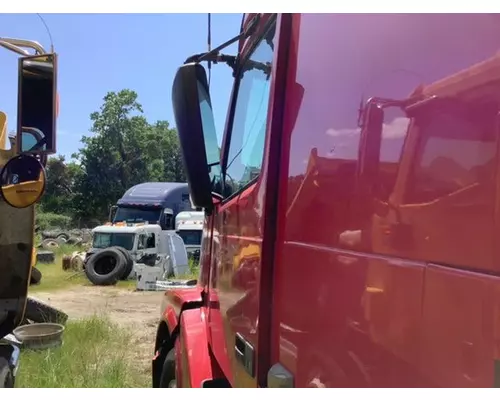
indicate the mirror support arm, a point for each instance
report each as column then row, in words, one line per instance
column 16, row 45
column 215, row 58
column 383, row 103
column 214, row 54
column 15, row 49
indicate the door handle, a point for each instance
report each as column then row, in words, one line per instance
column 245, row 354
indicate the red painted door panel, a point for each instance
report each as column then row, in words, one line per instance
column 352, row 305
column 234, row 286
column 460, row 334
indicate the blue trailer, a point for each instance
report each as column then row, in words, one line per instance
column 152, row 202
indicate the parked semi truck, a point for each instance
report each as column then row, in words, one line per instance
column 360, row 163
column 22, row 183
column 141, row 251
column 189, row 226
column 153, row 202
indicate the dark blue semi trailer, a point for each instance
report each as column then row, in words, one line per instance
column 152, row 202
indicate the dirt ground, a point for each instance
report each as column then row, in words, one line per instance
column 138, row 312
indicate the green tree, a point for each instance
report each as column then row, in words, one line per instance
column 125, row 150
column 59, row 192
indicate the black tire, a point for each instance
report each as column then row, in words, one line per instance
column 129, row 262
column 36, row 276
column 38, row 311
column 167, row 377
column 6, row 377
column 75, row 241
column 105, row 267
column 62, row 236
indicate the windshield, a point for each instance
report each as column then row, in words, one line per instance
column 454, row 152
column 105, row 240
column 190, row 237
column 127, row 214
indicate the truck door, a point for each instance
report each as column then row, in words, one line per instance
column 234, row 286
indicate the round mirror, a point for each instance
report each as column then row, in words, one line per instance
column 22, row 181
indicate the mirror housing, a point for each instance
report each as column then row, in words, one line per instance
column 370, row 142
column 38, row 104
column 22, row 181
column 196, row 129
column 167, row 219
column 112, row 212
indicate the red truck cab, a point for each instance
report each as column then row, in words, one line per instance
column 352, row 210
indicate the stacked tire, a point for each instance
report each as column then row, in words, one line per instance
column 108, row 266
column 38, row 311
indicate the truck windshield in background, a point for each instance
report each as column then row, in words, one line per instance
column 105, row 240
column 190, row 237
column 128, row 214
column 152, row 202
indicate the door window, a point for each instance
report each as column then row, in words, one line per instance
column 247, row 140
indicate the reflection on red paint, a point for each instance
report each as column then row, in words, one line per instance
column 381, row 269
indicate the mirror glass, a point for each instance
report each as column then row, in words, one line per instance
column 37, row 104
column 22, row 181
column 209, row 133
column 30, row 138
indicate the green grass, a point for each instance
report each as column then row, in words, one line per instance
column 194, row 270
column 54, row 278
column 94, row 353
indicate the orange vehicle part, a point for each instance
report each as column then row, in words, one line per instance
column 25, row 192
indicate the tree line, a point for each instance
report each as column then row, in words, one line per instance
column 124, row 150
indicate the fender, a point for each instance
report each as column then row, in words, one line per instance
column 174, row 303
column 176, row 300
column 195, row 366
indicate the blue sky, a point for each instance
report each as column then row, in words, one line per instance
column 108, row 52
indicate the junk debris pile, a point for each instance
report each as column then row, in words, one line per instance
column 52, row 240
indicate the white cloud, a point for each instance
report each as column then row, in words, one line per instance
column 342, row 132
column 395, row 129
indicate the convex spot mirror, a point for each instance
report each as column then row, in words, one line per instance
column 22, row 181
column 197, row 136
column 37, row 104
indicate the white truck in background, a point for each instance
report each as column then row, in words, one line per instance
column 189, row 226
column 142, row 251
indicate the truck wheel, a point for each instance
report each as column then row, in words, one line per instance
column 105, row 267
column 6, row 377
column 167, row 378
column 129, row 262
column 38, row 311
column 36, row 276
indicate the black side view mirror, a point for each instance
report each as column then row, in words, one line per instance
column 196, row 129
column 37, row 104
